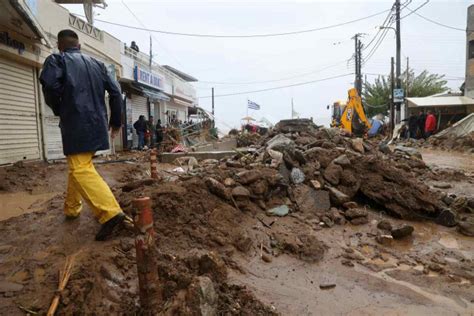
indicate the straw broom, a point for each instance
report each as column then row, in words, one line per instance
column 64, row 275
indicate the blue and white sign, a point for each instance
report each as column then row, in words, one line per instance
column 148, row 78
column 398, row 95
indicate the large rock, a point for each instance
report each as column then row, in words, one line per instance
column 355, row 213
column 217, row 188
column 333, row 173
column 201, row 297
column 279, row 142
column 410, row 151
column 260, row 187
column 248, row 176
column 342, row 160
column 310, row 200
column 402, row 232
column 446, row 218
column 358, row 145
column 467, row 227
column 323, row 156
column 337, row 197
column 297, row 176
column 240, row 192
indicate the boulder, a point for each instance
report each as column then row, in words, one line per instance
column 201, row 297
column 217, row 188
column 279, row 142
column 358, row 145
column 410, row 151
column 260, row 187
column 297, row 176
column 446, row 218
column 248, row 176
column 333, row 173
column 384, row 225
column 310, row 200
column 467, row 227
column 402, row 231
column 337, row 197
column 342, row 160
column 240, row 192
column 355, row 213
column 281, row 211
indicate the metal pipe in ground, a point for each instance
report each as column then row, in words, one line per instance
column 148, row 281
column 154, row 163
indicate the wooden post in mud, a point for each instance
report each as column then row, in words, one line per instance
column 150, row 293
column 154, row 163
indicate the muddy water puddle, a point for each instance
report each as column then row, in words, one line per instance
column 445, row 159
column 18, row 203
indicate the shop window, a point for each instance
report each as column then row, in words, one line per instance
column 471, row 50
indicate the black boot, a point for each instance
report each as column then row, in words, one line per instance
column 107, row 227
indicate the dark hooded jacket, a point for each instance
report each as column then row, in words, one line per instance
column 74, row 86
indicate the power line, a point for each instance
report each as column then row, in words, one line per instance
column 384, row 24
column 276, row 80
column 414, row 11
column 243, row 35
column 377, row 45
column 277, row 88
column 436, row 22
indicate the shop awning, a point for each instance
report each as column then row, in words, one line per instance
column 182, row 102
column 153, row 94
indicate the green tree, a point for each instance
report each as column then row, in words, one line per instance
column 376, row 96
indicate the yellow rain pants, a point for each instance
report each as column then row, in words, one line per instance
column 85, row 182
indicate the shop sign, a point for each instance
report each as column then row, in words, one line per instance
column 147, row 78
column 5, row 39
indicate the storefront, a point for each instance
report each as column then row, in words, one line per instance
column 21, row 46
column 144, row 94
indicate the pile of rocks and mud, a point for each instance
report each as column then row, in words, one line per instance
column 212, row 216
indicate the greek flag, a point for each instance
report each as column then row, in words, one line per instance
column 252, row 105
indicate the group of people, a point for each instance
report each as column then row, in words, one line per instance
column 149, row 134
column 421, row 125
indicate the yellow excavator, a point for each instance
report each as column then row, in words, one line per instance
column 350, row 116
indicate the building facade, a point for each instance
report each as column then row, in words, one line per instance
column 23, row 47
column 469, row 85
column 152, row 90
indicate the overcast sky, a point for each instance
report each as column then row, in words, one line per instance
column 297, row 58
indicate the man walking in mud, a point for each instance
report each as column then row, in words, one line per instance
column 74, row 86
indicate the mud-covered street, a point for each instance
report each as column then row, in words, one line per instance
column 322, row 257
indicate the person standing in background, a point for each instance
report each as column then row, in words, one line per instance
column 141, row 127
column 430, row 124
column 421, row 124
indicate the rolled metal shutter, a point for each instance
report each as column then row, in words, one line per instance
column 19, row 138
column 139, row 107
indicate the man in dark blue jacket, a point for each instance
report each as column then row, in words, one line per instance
column 74, row 86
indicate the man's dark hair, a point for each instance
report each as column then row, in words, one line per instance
column 67, row 33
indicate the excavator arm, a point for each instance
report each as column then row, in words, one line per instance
column 353, row 110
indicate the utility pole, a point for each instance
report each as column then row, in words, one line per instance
column 392, row 86
column 151, row 53
column 399, row 48
column 212, row 92
column 407, row 88
column 358, row 63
